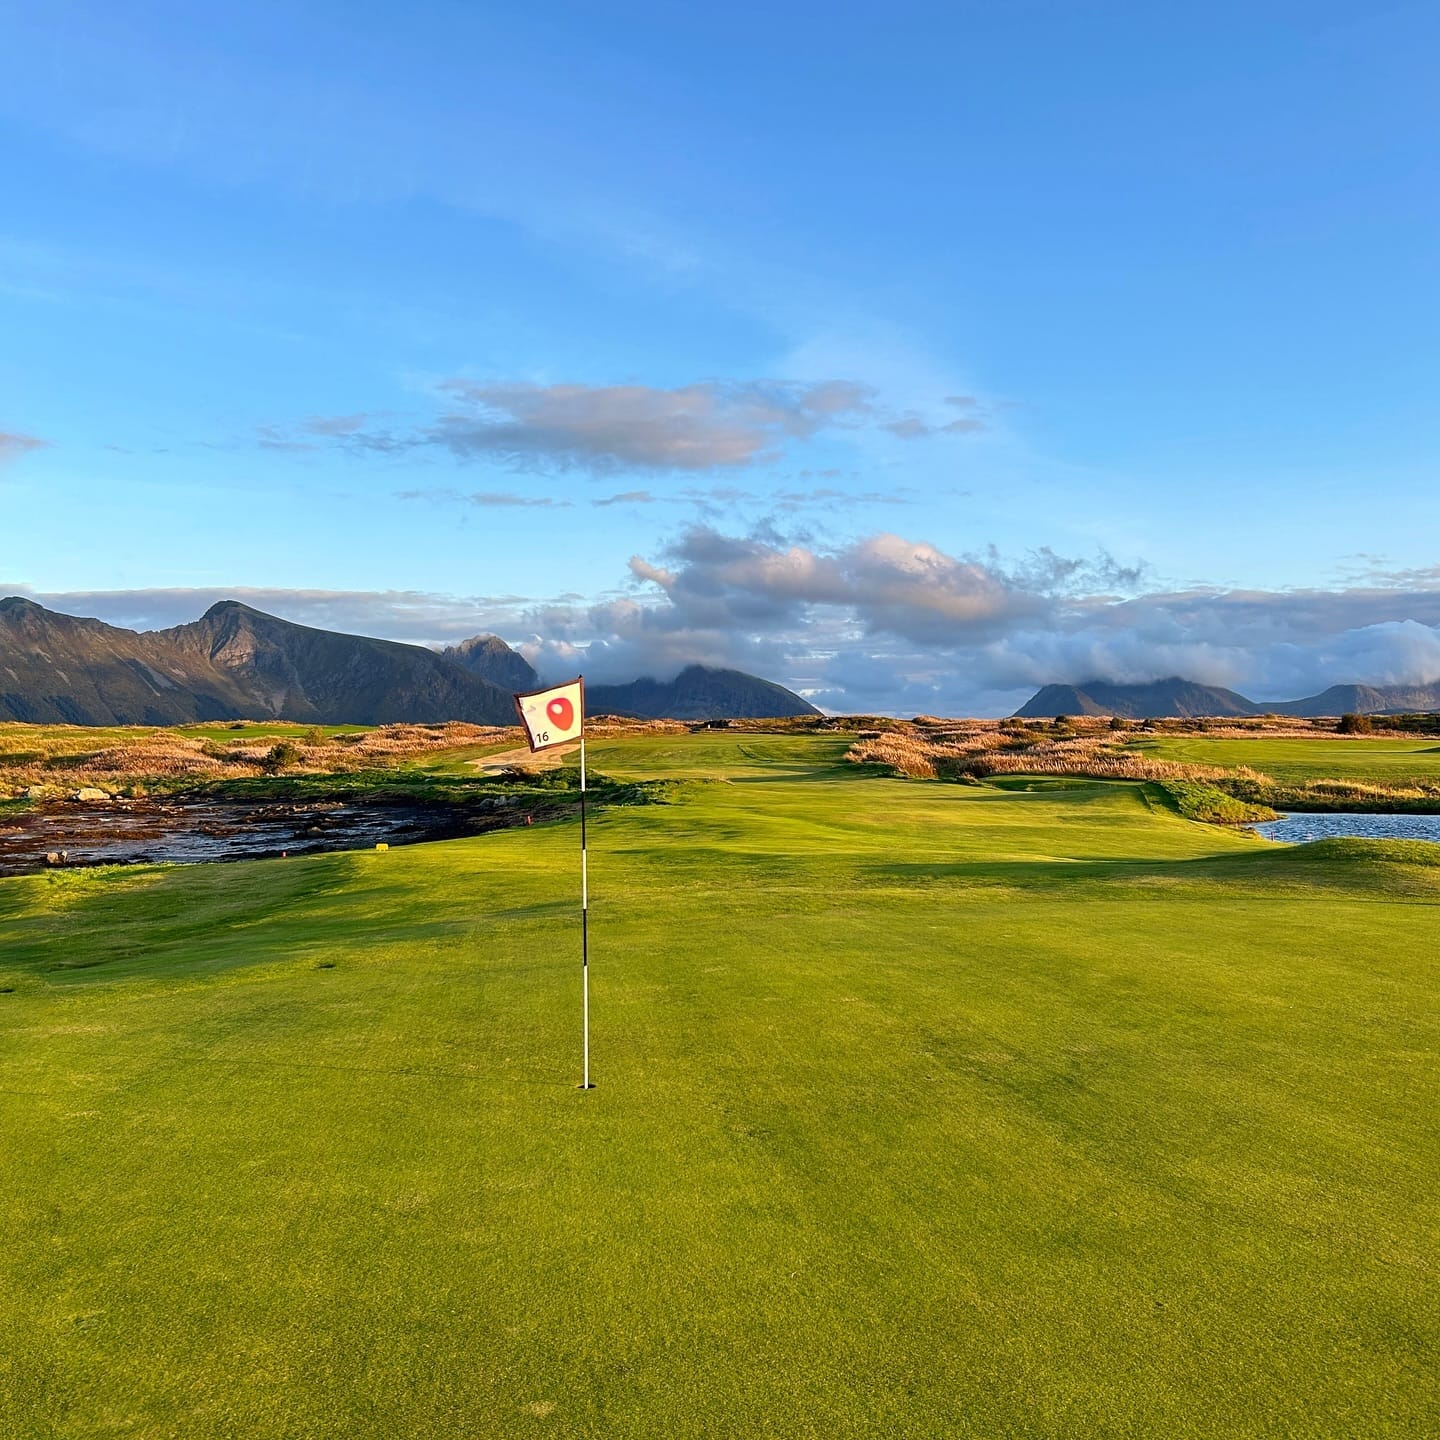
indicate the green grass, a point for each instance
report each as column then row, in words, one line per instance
column 922, row 1111
column 436, row 784
column 14, row 734
column 1296, row 760
column 1196, row 800
column 264, row 730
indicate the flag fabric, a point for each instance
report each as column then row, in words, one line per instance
column 554, row 716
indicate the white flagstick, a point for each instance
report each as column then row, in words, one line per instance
column 584, row 921
column 551, row 717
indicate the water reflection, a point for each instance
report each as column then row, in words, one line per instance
column 1300, row 828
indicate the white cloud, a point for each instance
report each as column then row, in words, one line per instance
column 708, row 425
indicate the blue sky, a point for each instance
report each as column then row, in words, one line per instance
column 911, row 354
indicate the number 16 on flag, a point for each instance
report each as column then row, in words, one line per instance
column 554, row 716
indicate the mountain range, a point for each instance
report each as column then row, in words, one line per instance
column 1188, row 698
column 237, row 663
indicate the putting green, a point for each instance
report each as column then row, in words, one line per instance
column 922, row 1110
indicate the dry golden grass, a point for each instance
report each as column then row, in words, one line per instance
column 60, row 759
column 56, row 759
column 907, row 755
column 928, row 749
column 603, row 727
column 1334, row 793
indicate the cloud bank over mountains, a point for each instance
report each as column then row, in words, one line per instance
column 893, row 624
column 890, row 624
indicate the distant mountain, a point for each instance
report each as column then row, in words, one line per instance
column 1361, row 700
column 84, row 672
column 235, row 663
column 1188, row 699
column 1162, row 697
column 232, row 663
column 308, row 674
column 489, row 657
column 698, row 693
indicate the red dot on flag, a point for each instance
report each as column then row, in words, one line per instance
column 561, row 712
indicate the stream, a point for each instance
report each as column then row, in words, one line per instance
column 134, row 832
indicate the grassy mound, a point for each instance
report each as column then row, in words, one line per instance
column 1196, row 800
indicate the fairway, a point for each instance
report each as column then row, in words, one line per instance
column 923, row 1110
column 1298, row 760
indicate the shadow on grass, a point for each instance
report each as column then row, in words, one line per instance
column 1380, row 867
column 166, row 922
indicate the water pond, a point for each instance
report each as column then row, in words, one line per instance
column 1297, row 829
column 189, row 832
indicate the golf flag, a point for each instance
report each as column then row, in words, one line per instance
column 554, row 716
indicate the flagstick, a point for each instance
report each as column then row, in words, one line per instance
column 584, row 919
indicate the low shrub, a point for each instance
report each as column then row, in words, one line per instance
column 281, row 757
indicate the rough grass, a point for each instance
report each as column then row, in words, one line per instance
column 901, row 754
column 56, row 759
column 923, row 1111
column 931, row 749
column 50, row 760
column 1384, row 774
column 1282, row 764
